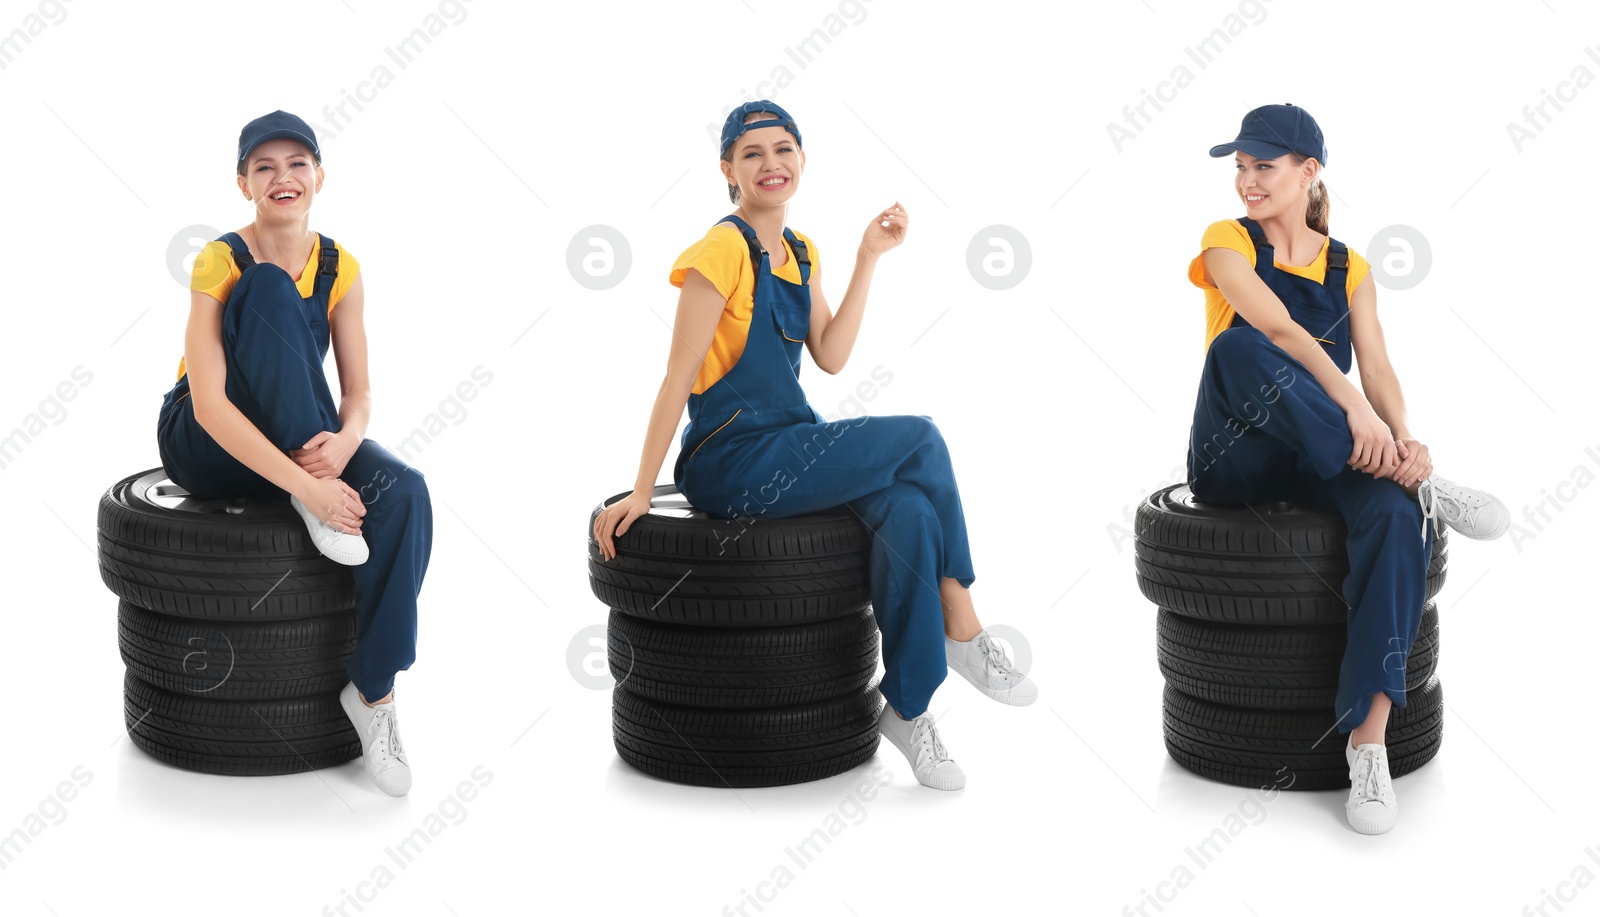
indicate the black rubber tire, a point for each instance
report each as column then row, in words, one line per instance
column 1292, row 749
column 1269, row 563
column 215, row 560
column 707, row 572
column 1271, row 668
column 742, row 668
column 241, row 738
column 247, row 660
column 743, row 748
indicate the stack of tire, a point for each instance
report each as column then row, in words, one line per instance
column 233, row 629
column 744, row 650
column 1250, row 633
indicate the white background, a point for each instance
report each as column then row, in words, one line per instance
column 1065, row 399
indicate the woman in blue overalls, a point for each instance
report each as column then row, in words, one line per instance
column 1276, row 418
column 751, row 427
column 252, row 370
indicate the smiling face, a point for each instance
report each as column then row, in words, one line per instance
column 766, row 164
column 281, row 177
column 1273, row 187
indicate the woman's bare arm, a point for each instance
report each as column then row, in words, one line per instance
column 207, row 369
column 1378, row 379
column 833, row 336
column 349, row 336
column 695, row 326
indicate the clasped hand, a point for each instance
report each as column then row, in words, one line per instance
column 325, row 455
column 1406, row 461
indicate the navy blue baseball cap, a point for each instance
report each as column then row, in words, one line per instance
column 734, row 126
column 1273, row 130
column 274, row 126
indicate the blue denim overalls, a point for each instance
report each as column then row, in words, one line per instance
column 274, row 342
column 1265, row 429
column 755, row 447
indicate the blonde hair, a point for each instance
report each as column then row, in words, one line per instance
column 1317, row 199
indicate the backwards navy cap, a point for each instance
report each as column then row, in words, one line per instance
column 1273, row 130
column 278, row 124
column 734, row 126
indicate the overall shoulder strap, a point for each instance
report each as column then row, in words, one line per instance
column 1265, row 268
column 1338, row 270
column 241, row 251
column 749, row 233
column 1338, row 255
column 1259, row 237
column 327, row 264
column 800, row 255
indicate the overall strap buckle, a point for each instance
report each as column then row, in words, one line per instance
column 329, row 257
column 327, row 267
column 800, row 255
column 756, row 249
column 1335, row 277
column 1338, row 256
column 241, row 251
column 1258, row 236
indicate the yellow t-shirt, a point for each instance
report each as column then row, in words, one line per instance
column 215, row 272
column 723, row 257
column 1232, row 234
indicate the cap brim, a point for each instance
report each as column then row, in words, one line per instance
column 760, row 126
column 1254, row 148
column 281, row 134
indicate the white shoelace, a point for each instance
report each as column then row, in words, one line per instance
column 926, row 741
column 1365, row 777
column 995, row 660
column 386, row 723
column 1459, row 507
column 1427, row 504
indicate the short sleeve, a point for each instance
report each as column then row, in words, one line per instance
column 214, row 272
column 348, row 268
column 1359, row 269
column 720, row 256
column 1221, row 234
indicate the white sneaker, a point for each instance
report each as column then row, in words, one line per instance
column 1372, row 807
column 983, row 661
column 381, row 750
column 1473, row 513
column 334, row 544
column 918, row 740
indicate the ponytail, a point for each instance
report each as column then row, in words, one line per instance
column 1317, row 207
column 1317, row 200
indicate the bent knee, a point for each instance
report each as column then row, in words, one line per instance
column 269, row 280
column 391, row 485
column 411, row 483
column 908, row 504
column 1233, row 343
column 919, row 428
